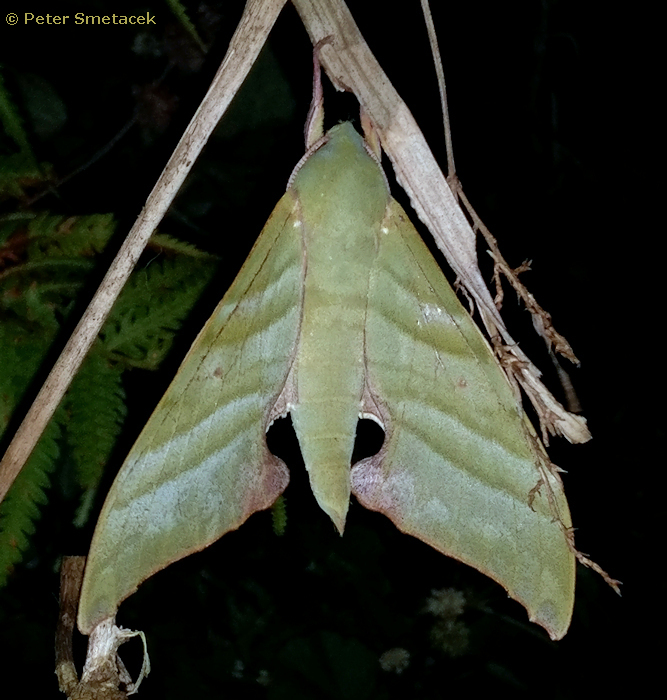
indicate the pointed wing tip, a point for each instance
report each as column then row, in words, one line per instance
column 555, row 632
column 87, row 620
column 553, row 618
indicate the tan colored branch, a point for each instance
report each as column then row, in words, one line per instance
column 71, row 577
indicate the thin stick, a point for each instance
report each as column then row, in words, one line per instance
column 255, row 25
column 71, row 577
column 542, row 319
column 440, row 73
column 542, row 323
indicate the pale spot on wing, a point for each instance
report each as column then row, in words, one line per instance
column 432, row 313
column 435, row 508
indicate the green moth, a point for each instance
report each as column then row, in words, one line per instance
column 340, row 312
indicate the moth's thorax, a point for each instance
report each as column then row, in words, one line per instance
column 342, row 194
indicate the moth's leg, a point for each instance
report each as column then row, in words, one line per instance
column 371, row 135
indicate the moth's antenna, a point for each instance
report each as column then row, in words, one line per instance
column 314, row 128
column 440, row 73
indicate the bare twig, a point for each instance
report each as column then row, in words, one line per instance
column 104, row 675
column 440, row 73
column 541, row 318
column 555, row 342
column 71, row 576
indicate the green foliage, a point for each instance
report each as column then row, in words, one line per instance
column 181, row 14
column 151, row 308
column 279, row 516
column 66, row 238
column 95, row 407
column 23, row 347
column 169, row 245
column 18, row 166
column 45, row 261
column 20, row 509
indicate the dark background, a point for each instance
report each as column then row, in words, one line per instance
column 550, row 111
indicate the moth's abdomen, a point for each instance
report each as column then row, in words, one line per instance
column 342, row 196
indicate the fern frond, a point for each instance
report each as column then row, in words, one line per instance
column 18, row 165
column 56, row 237
column 168, row 244
column 22, row 350
column 151, row 308
column 279, row 516
column 181, row 14
column 43, row 262
column 95, row 409
column 21, row 507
